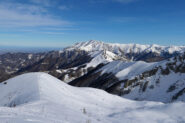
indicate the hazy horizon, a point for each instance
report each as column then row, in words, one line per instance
column 27, row 49
column 21, row 48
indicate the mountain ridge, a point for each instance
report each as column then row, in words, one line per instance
column 137, row 79
column 127, row 48
column 104, row 68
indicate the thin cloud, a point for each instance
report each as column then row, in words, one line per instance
column 123, row 19
column 63, row 7
column 133, row 19
column 118, row 1
column 42, row 2
column 54, row 33
column 61, row 29
column 125, row 1
column 26, row 15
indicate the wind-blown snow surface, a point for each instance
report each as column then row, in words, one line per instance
column 41, row 98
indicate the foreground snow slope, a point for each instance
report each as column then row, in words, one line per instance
column 41, row 98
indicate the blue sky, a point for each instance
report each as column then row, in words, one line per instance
column 59, row 23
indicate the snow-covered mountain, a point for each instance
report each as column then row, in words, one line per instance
column 160, row 81
column 138, row 72
column 93, row 45
column 135, row 52
column 41, row 98
column 81, row 54
column 125, row 49
column 119, row 69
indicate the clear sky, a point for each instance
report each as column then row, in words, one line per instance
column 59, row 23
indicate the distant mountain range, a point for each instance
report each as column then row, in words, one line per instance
column 139, row 72
column 16, row 49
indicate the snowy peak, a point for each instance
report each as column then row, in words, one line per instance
column 107, row 55
column 91, row 45
column 110, row 56
column 29, row 88
column 119, row 49
column 103, row 57
column 38, row 86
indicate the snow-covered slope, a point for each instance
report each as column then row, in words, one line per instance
column 103, row 57
column 158, row 81
column 163, row 81
column 41, row 98
column 97, row 58
column 93, row 45
column 149, row 81
column 127, row 70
